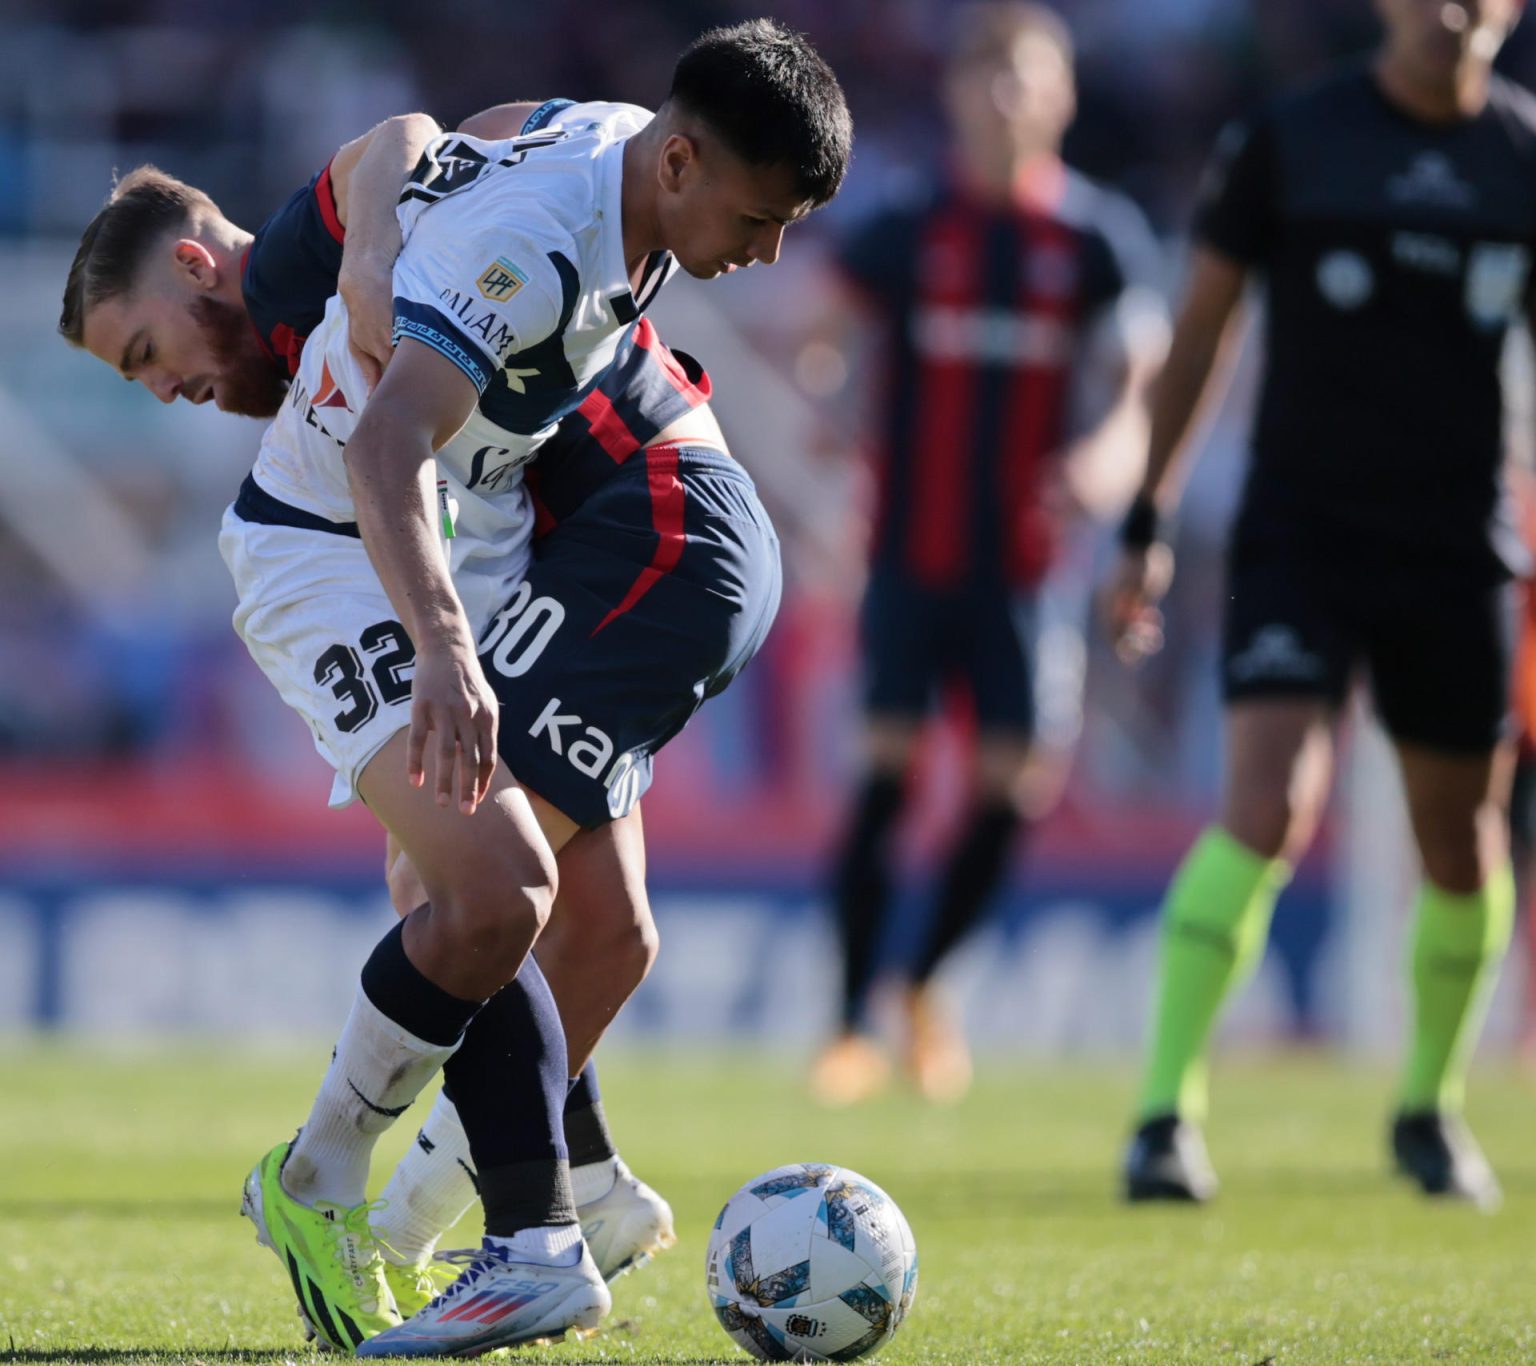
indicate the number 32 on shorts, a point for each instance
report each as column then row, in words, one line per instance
column 342, row 668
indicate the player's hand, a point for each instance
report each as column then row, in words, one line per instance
column 1130, row 601
column 366, row 285
column 453, row 709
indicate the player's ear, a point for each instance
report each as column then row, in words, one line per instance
column 679, row 157
column 195, row 262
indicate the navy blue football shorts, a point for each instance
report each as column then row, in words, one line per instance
column 1017, row 653
column 647, row 599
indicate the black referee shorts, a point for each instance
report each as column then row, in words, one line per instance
column 1436, row 643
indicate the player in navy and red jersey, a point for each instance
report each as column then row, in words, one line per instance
column 1017, row 325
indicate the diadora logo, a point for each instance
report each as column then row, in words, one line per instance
column 500, row 280
column 589, row 754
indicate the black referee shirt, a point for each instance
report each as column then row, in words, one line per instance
column 1396, row 254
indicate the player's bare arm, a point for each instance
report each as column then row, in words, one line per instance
column 420, row 403
column 1101, row 465
column 1200, row 336
column 499, row 121
column 366, row 176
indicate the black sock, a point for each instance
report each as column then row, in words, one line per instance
column 861, row 888
column 586, row 1126
column 509, row 1083
column 975, row 868
column 398, row 989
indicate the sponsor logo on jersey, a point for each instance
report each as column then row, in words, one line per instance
column 998, row 336
column 483, row 323
column 1345, row 279
column 330, row 395
column 500, row 280
column 1496, row 273
column 1426, row 252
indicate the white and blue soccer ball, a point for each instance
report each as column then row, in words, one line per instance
column 811, row 1262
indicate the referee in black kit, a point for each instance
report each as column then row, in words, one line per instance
column 1391, row 212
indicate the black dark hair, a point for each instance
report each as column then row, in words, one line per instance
column 146, row 205
column 771, row 99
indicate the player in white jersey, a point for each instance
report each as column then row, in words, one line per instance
column 713, row 184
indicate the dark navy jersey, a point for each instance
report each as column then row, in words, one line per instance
column 290, row 270
column 1396, row 254
column 984, row 308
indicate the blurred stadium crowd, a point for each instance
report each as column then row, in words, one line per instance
column 118, row 656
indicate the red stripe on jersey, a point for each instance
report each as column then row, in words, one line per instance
column 1033, row 412
column 609, row 430
column 949, row 263
column 544, row 521
column 325, row 200
column 667, row 503
column 671, row 367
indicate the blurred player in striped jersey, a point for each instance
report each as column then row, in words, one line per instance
column 1017, row 318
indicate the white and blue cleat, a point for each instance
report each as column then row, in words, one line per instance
column 498, row 1302
column 626, row 1227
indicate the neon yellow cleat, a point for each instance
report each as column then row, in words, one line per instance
column 416, row 1284
column 328, row 1252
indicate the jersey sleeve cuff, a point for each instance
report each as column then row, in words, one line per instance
column 425, row 324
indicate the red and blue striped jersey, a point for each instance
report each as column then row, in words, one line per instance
column 289, row 271
column 984, row 308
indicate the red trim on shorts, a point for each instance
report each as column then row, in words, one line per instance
column 325, row 200
column 609, row 430
column 667, row 505
column 671, row 367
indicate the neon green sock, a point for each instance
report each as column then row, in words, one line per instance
column 1215, row 924
column 1459, row 941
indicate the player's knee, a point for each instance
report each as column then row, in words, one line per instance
column 492, row 909
column 1274, row 824
column 627, row 952
column 1460, row 854
column 406, row 891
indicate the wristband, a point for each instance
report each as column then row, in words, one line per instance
column 1142, row 526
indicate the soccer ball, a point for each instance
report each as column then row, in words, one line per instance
column 811, row 1262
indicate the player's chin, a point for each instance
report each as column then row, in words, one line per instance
column 702, row 270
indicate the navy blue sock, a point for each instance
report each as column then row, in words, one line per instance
column 509, row 1083
column 586, row 1126
column 977, row 866
column 398, row 989
column 861, row 887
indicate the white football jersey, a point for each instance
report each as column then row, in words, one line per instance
column 512, row 267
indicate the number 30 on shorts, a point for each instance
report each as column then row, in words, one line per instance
column 521, row 632
column 341, row 669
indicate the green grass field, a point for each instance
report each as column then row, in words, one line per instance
column 119, row 1241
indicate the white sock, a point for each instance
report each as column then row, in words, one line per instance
column 558, row 1245
column 593, row 1180
column 377, row 1070
column 429, row 1191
